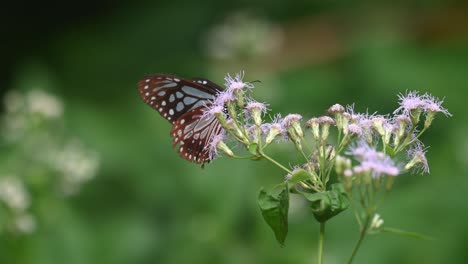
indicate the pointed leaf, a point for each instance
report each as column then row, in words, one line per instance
column 274, row 205
column 299, row 175
column 326, row 205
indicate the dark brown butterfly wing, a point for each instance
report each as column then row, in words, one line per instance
column 182, row 102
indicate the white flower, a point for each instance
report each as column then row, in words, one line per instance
column 44, row 104
column 13, row 193
column 76, row 164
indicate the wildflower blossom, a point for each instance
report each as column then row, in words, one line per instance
column 76, row 164
column 355, row 130
column 313, row 123
column 217, row 143
column 336, row 108
column 255, row 111
column 433, row 104
column 409, row 102
column 325, row 122
column 236, row 83
column 377, row 163
column 377, row 222
column 13, row 193
column 275, row 129
column 291, row 123
column 44, row 104
column 417, row 156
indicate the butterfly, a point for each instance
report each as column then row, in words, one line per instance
column 183, row 103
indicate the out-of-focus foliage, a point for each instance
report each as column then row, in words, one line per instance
column 147, row 205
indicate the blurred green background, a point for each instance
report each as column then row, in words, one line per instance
column 147, row 205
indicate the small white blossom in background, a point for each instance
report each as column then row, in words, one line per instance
column 29, row 128
column 76, row 165
column 44, row 104
column 13, row 193
column 243, row 34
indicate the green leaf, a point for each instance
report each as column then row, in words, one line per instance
column 400, row 232
column 298, row 176
column 326, row 205
column 253, row 148
column 390, row 151
column 274, row 205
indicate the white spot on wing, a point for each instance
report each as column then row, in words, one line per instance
column 171, row 111
column 171, row 98
column 180, row 106
column 163, row 103
column 189, row 100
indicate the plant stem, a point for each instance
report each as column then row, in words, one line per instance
column 361, row 238
column 320, row 246
column 274, row 162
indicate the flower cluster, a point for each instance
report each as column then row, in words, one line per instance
column 366, row 151
column 32, row 129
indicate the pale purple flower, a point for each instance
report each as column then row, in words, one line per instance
column 213, row 110
column 255, row 106
column 348, row 173
column 223, row 98
column 290, row 120
column 417, row 156
column 373, row 161
column 326, row 120
column 336, row 108
column 275, row 129
column 433, row 104
column 410, row 101
column 254, row 110
column 216, row 144
column 355, row 130
column 236, row 83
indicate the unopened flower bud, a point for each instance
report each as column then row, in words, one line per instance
column 292, row 122
column 337, row 111
column 400, row 128
column 235, row 130
column 346, row 117
column 377, row 222
column 325, row 122
column 224, row 148
column 377, row 125
column 313, row 123
column 415, row 115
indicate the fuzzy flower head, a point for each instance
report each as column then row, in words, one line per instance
column 417, row 156
column 292, row 124
column 274, row 129
column 255, row 110
column 218, row 111
column 217, row 143
column 432, row 107
column 433, row 104
column 223, row 98
column 377, row 163
column 355, row 130
column 237, row 84
column 409, row 102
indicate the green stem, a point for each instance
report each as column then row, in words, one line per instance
column 274, row 162
column 320, row 245
column 361, row 238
